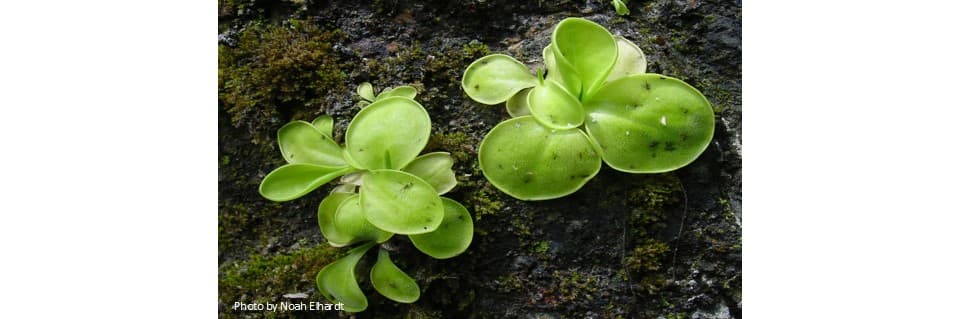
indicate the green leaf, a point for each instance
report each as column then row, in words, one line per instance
column 342, row 223
column 338, row 281
column 436, row 169
column 391, row 282
column 400, row 202
column 324, row 124
column 292, row 181
column 326, row 215
column 585, row 52
column 517, row 104
column 553, row 72
column 365, row 91
column 529, row 161
column 388, row 134
column 554, row 107
column 649, row 123
column 402, row 91
column 452, row 237
column 621, row 7
column 495, row 78
column 630, row 60
column 301, row 142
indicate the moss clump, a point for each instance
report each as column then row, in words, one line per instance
column 459, row 144
column 650, row 198
column 645, row 261
column 574, row 285
column 268, row 278
column 273, row 70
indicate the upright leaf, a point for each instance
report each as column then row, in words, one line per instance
column 338, row 281
column 629, row 61
column 554, row 107
column 344, row 224
column 399, row 202
column 584, row 51
column 452, row 237
column 495, row 78
column 365, row 91
column 649, row 123
column 324, row 123
column 391, row 282
column 388, row 134
column 517, row 104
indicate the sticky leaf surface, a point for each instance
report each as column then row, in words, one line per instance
column 399, row 202
column 324, row 124
column 554, row 107
column 347, row 225
column 529, row 161
column 292, row 181
column 388, row 134
column 630, row 60
column 495, row 78
column 649, row 123
column 401, row 91
column 436, row 169
column 584, row 50
column 301, row 142
column 391, row 282
column 338, row 282
column 452, row 237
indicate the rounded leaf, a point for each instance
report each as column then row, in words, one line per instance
column 621, row 7
column 529, row 161
column 388, row 134
column 452, row 237
column 402, row 91
column 391, row 282
column 365, row 91
column 301, row 142
column 554, row 107
column 326, row 215
column 324, row 124
column 342, row 222
column 436, row 169
column 292, row 181
column 399, row 202
column 495, row 78
column 338, row 281
column 517, row 104
column 585, row 52
column 649, row 123
column 630, row 60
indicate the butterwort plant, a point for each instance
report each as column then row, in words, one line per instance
column 386, row 187
column 594, row 104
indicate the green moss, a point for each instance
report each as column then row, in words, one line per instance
column 275, row 71
column 645, row 261
column 509, row 283
column 268, row 278
column 540, row 247
column 475, row 48
column 459, row 144
column 573, row 285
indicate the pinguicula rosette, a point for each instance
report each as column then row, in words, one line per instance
column 386, row 187
column 595, row 103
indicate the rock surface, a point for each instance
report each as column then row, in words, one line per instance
column 624, row 246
